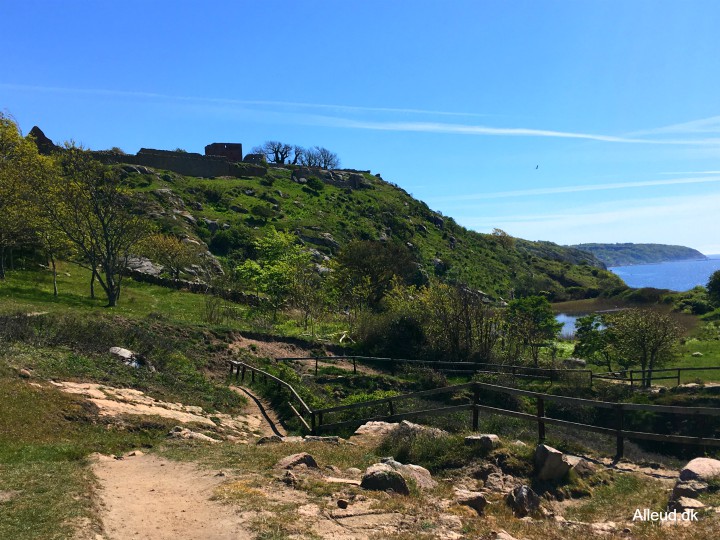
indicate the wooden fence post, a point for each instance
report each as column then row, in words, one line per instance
column 540, row 421
column 231, row 368
column 392, row 408
column 354, row 366
column 242, row 378
column 476, row 402
column 619, row 423
column 678, row 377
column 252, row 375
column 316, row 367
column 313, row 428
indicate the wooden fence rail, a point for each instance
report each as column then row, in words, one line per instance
column 477, row 391
column 527, row 372
column 638, row 376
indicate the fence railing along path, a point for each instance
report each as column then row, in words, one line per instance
column 639, row 376
column 460, row 368
column 318, row 417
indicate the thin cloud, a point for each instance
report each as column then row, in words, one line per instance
column 230, row 101
column 578, row 189
column 703, row 125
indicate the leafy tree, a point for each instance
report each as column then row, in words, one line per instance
column 503, row 238
column 531, row 323
column 713, row 288
column 171, row 252
column 20, row 163
column 595, row 341
column 368, row 267
column 97, row 215
column 644, row 337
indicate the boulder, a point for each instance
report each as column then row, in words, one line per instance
column 484, row 441
column 473, row 499
column 503, row 535
column 523, row 501
column 420, row 475
column 500, row 483
column 550, row 464
column 407, row 429
column 382, row 477
column 302, row 458
column 582, row 467
column 703, row 469
column 269, row 439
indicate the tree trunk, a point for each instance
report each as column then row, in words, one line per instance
column 54, row 271
column 2, row 262
column 92, row 284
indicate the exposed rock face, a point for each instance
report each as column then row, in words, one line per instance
column 691, row 488
column 44, row 144
column 382, row 477
column 420, row 475
column 582, row 467
column 144, row 266
column 473, row 499
column 550, row 463
column 408, row 429
column 290, row 462
column 484, row 441
column 703, row 469
column 523, row 501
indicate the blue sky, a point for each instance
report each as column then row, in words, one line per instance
column 569, row 121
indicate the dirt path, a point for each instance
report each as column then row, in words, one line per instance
column 147, row 497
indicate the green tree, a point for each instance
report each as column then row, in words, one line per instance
column 595, row 341
column 532, row 324
column 644, row 337
column 171, row 252
column 20, row 163
column 713, row 288
column 101, row 219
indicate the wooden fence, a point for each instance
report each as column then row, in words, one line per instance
column 639, row 376
column 459, row 368
column 318, row 417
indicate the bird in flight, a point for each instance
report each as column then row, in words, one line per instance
column 536, row 166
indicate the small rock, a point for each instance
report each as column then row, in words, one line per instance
column 697, row 354
column 135, row 453
column 342, row 504
column 25, row 373
column 685, row 503
column 550, row 463
column 382, row 477
column 295, row 460
column 523, row 501
column 332, row 439
column 691, row 488
column 269, row 439
column 289, row 478
column 484, row 441
column 473, row 499
column 502, row 535
column 606, row 527
column 353, row 471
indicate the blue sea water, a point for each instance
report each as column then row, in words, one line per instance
column 675, row 275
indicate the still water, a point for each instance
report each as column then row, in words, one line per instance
column 676, row 275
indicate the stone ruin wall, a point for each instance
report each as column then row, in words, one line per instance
column 185, row 163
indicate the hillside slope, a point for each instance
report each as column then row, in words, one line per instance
column 228, row 213
column 629, row 254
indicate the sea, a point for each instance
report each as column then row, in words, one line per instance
column 675, row 275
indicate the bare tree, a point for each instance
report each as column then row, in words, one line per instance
column 328, row 159
column 311, row 157
column 297, row 155
column 275, row 151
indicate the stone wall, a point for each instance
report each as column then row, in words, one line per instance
column 185, row 163
column 231, row 151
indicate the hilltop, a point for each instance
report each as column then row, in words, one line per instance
column 628, row 254
column 327, row 209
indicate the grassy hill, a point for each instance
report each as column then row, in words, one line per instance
column 629, row 254
column 326, row 212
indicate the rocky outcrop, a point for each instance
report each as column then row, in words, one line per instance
column 179, row 432
column 44, row 145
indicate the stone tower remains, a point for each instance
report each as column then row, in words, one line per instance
column 231, row 151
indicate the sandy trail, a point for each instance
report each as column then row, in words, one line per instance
column 147, row 497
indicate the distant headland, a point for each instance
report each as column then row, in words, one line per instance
column 628, row 254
